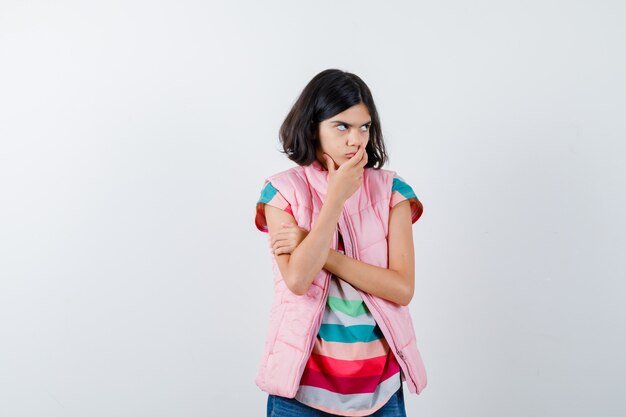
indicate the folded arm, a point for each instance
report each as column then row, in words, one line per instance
column 300, row 267
column 395, row 283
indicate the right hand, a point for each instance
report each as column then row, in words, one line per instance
column 287, row 239
column 345, row 180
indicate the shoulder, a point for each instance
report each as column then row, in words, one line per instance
column 380, row 178
column 401, row 190
column 289, row 181
column 390, row 180
column 270, row 195
column 277, row 191
column 402, row 187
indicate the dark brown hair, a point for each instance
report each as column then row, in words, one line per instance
column 330, row 92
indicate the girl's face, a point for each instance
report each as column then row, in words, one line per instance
column 341, row 135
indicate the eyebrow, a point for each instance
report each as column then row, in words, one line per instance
column 348, row 124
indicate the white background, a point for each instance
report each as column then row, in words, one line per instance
column 134, row 140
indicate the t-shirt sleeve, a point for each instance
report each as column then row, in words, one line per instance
column 401, row 191
column 269, row 195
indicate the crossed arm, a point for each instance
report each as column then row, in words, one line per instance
column 395, row 283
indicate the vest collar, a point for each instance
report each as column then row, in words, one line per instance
column 317, row 165
column 317, row 176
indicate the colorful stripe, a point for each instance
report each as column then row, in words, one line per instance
column 269, row 195
column 402, row 187
column 356, row 350
column 349, row 404
column 348, row 367
column 352, row 308
column 337, row 317
column 401, row 191
column 348, row 385
column 349, row 334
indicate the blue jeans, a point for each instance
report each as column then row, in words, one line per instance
column 278, row 406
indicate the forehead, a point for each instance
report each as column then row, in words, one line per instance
column 357, row 114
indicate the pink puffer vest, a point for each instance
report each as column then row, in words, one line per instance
column 295, row 320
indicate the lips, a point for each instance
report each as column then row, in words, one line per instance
column 350, row 155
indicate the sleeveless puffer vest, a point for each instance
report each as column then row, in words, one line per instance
column 295, row 320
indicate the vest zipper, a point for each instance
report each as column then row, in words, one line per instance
column 373, row 303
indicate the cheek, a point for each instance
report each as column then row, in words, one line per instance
column 326, row 140
column 330, row 144
column 327, row 148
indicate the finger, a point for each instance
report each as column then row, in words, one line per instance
column 286, row 237
column 279, row 242
column 357, row 157
column 279, row 234
column 283, row 247
column 276, row 249
column 363, row 160
column 285, row 232
column 289, row 233
column 275, row 241
column 363, row 151
column 330, row 163
column 292, row 237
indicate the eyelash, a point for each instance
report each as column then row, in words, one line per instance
column 341, row 124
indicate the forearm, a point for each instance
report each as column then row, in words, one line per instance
column 310, row 256
column 381, row 282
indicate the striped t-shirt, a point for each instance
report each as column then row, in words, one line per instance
column 351, row 370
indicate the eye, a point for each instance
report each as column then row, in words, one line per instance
column 366, row 127
column 340, row 125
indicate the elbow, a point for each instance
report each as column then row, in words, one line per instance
column 293, row 280
column 296, row 290
column 406, row 296
column 296, row 286
column 404, row 300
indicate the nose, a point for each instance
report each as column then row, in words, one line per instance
column 354, row 139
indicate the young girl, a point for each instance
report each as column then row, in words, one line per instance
column 341, row 339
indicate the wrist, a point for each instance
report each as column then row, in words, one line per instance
column 332, row 259
column 334, row 203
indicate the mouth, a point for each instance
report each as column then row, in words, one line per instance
column 350, row 155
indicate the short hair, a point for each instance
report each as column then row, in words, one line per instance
column 330, row 92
